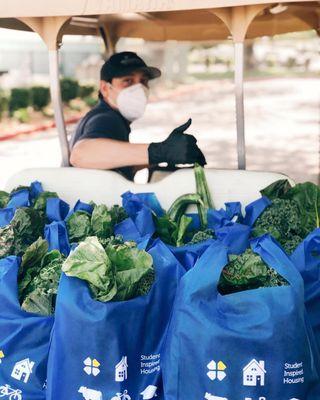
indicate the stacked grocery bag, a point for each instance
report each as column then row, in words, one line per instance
column 136, row 302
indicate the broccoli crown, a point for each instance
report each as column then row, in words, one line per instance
column 248, row 271
column 283, row 221
column 201, row 236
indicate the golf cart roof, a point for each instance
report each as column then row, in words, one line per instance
column 163, row 20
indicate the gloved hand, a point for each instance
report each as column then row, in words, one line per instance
column 178, row 148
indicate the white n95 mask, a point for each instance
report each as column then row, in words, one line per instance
column 132, row 101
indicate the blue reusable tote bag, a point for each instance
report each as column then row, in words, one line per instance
column 306, row 258
column 247, row 345
column 24, row 341
column 111, row 350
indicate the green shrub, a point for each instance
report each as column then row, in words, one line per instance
column 40, row 97
column 22, row 115
column 90, row 101
column 19, row 98
column 4, row 101
column 69, row 89
column 86, row 91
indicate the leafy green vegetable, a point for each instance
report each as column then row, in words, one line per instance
column 30, row 263
column 114, row 273
column 18, row 188
column 131, row 266
column 78, row 226
column 4, row 198
column 180, row 205
column 172, row 227
column 307, row 197
column 282, row 220
column 204, row 193
column 40, row 202
column 145, row 284
column 248, row 271
column 103, row 219
column 182, row 229
column 293, row 214
column 90, row 262
column 277, row 189
column 28, row 225
column 118, row 214
column 172, row 232
column 6, row 241
column 201, row 236
column 39, row 295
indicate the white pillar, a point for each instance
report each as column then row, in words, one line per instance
column 57, row 105
column 238, row 81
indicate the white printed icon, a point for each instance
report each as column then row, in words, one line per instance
column 91, row 366
column 149, row 392
column 22, row 370
column 121, row 396
column 12, row 394
column 90, row 394
column 260, row 398
column 209, row 396
column 254, row 373
column 121, row 370
column 216, row 370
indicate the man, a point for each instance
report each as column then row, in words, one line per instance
column 101, row 139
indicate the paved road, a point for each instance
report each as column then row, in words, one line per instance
column 282, row 128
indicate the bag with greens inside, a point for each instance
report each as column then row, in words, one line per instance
column 112, row 311
column 306, row 258
column 251, row 341
column 24, row 336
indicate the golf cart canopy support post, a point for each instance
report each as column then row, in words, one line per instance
column 50, row 30
column 237, row 20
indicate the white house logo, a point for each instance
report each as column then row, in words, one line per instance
column 254, row 373
column 121, row 370
column 22, row 370
column 91, row 366
column 216, row 370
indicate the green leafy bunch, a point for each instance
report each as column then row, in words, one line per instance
column 38, row 278
column 248, row 271
column 101, row 223
column 26, row 226
column 114, row 270
column 173, row 227
column 293, row 213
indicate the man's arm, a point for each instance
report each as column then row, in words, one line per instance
column 107, row 154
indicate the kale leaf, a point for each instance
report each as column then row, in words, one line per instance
column 248, row 271
column 4, row 198
column 38, row 278
column 79, row 226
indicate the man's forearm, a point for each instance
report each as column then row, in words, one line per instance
column 108, row 154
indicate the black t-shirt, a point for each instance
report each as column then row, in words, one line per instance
column 104, row 122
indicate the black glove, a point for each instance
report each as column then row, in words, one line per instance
column 178, row 148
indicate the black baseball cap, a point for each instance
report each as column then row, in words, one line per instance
column 124, row 63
